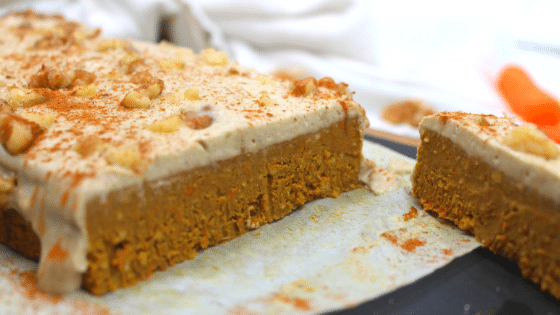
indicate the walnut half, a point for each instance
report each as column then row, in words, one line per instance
column 17, row 133
column 530, row 139
column 141, row 98
column 24, row 98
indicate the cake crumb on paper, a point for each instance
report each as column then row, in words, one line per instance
column 400, row 166
column 377, row 179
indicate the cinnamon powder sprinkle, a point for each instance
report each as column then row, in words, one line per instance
column 57, row 253
column 25, row 284
column 411, row 214
column 298, row 303
column 409, row 245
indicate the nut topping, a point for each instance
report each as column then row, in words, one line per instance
column 86, row 145
column 530, row 139
column 51, row 79
column 17, row 134
column 192, row 94
column 81, row 77
column 113, row 44
column 7, row 184
column 55, row 79
column 214, row 57
column 85, row 91
column 51, row 40
column 197, row 121
column 265, row 101
column 43, row 120
column 141, row 78
column 172, row 63
column 141, row 98
column 304, row 87
column 5, row 107
column 130, row 62
column 328, row 82
column 24, row 98
column 136, row 99
column 154, row 88
column 127, row 157
column 168, row 125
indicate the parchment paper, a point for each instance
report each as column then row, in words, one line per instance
column 330, row 254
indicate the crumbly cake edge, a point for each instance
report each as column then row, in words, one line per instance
column 483, row 140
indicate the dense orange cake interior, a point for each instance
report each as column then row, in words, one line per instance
column 506, row 216
column 155, row 226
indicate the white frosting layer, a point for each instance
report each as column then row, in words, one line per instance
column 54, row 182
column 484, row 140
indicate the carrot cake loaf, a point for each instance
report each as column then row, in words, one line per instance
column 499, row 181
column 119, row 158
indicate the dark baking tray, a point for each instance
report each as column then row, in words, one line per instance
column 478, row 283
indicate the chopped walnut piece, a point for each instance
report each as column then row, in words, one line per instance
column 114, row 44
column 530, row 139
column 265, row 101
column 172, row 63
column 141, row 78
column 51, row 40
column 168, row 125
column 85, row 91
column 87, row 145
column 18, row 134
column 214, row 57
column 192, row 94
column 154, row 88
column 81, row 77
column 136, row 99
column 408, row 111
column 111, row 44
column 51, row 79
column 43, row 120
column 67, row 27
column 141, row 98
column 5, row 107
column 7, row 184
column 127, row 157
column 197, row 121
column 340, row 88
column 343, row 90
column 130, row 62
column 304, row 87
column 24, row 98
column 328, row 82
column 81, row 35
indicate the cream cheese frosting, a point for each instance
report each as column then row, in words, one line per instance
column 483, row 136
column 211, row 109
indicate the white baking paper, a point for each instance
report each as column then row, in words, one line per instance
column 330, row 254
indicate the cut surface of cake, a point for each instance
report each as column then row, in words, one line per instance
column 499, row 181
column 120, row 158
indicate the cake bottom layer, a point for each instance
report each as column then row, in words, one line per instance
column 506, row 217
column 135, row 231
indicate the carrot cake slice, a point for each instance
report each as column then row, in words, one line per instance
column 119, row 158
column 499, row 181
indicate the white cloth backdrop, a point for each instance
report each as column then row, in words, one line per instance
column 444, row 52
